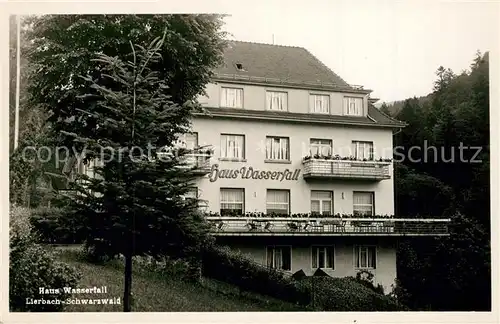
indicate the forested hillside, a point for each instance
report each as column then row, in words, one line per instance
column 444, row 170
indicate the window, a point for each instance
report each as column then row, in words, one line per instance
column 231, row 98
column 353, row 106
column 362, row 150
column 276, row 100
column 279, row 257
column 322, row 147
column 232, row 201
column 278, row 201
column 363, row 203
column 232, row 146
column 365, row 257
column 277, row 148
column 239, row 67
column 319, row 104
column 321, row 202
column 323, row 257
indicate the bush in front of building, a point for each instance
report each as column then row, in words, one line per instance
column 347, row 294
column 232, row 267
column 365, row 278
column 32, row 267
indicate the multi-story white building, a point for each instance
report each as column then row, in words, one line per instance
column 301, row 176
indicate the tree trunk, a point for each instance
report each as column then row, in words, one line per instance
column 127, row 295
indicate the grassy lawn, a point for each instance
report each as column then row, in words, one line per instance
column 155, row 293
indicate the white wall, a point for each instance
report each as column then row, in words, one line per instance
column 209, row 132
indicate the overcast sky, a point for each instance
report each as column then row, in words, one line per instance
column 390, row 47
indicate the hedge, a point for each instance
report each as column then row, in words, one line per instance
column 232, row 267
column 32, row 267
column 347, row 294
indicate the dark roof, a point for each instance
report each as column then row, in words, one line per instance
column 375, row 117
column 284, row 63
column 288, row 64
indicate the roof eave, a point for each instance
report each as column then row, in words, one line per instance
column 212, row 112
column 290, row 84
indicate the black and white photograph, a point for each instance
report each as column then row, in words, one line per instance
column 319, row 156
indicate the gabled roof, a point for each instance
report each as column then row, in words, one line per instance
column 281, row 64
column 292, row 66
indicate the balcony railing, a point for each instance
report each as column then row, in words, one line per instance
column 346, row 169
column 324, row 226
column 199, row 161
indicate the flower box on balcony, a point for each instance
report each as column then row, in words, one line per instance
column 346, row 168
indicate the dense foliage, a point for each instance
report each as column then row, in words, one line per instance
column 32, row 267
column 319, row 292
column 347, row 294
column 451, row 273
column 230, row 266
column 57, row 226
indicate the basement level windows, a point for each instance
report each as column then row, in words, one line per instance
column 279, row 257
column 365, row 257
column 323, row 257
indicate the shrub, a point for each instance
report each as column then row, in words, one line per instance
column 365, row 278
column 57, row 226
column 232, row 267
column 346, row 294
column 98, row 251
column 33, row 267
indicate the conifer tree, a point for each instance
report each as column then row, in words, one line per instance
column 134, row 204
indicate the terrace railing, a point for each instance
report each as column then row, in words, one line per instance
column 327, row 226
column 346, row 169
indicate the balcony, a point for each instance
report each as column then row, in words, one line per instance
column 197, row 159
column 326, row 226
column 200, row 162
column 320, row 168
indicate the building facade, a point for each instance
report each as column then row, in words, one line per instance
column 295, row 166
column 301, row 175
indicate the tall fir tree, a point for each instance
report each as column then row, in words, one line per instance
column 116, row 93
